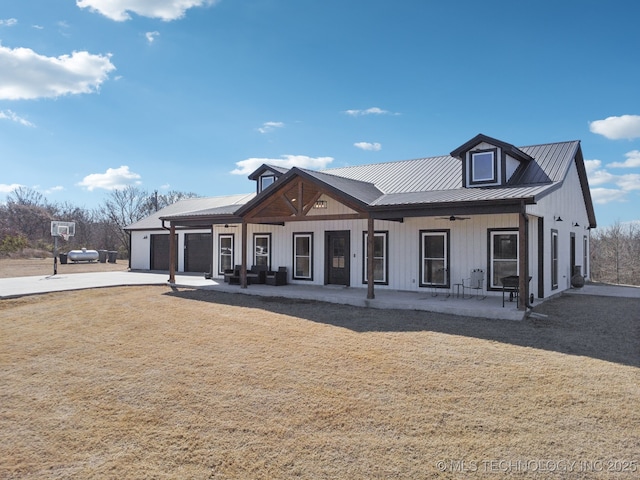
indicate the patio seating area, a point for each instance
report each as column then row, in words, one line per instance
column 488, row 305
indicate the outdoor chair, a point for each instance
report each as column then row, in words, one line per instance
column 474, row 282
column 277, row 278
column 257, row 274
column 232, row 275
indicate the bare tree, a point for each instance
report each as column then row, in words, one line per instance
column 28, row 212
column 615, row 254
column 124, row 207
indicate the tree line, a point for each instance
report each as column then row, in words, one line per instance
column 25, row 220
column 615, row 254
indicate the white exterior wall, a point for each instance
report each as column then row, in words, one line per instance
column 141, row 249
column 567, row 203
column 468, row 246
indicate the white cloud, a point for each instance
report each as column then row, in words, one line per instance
column 57, row 188
column 28, row 75
column 10, row 115
column 151, row 36
column 616, row 128
column 8, row 22
column 599, row 176
column 112, row 179
column 38, row 27
column 592, row 165
column 628, row 182
column 4, row 188
column 268, row 127
column 248, row 166
column 632, row 161
column 166, row 10
column 375, row 147
column 606, row 195
column 369, row 111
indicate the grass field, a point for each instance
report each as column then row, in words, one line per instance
column 150, row 382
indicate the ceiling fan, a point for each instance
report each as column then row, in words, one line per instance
column 453, row 218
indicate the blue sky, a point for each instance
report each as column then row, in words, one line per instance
column 192, row 95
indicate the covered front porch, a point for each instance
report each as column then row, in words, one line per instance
column 447, row 302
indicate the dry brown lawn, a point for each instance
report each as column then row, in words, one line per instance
column 150, row 382
column 25, row 267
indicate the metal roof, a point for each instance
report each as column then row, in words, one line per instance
column 408, row 184
column 224, row 205
column 361, row 190
column 551, row 162
column 419, row 175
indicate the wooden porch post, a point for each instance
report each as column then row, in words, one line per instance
column 243, row 267
column 172, row 253
column 370, row 262
column 523, row 259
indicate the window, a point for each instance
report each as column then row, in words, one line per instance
column 503, row 255
column 484, row 167
column 265, row 181
column 554, row 259
column 262, row 249
column 225, row 252
column 303, row 256
column 380, row 257
column 434, row 261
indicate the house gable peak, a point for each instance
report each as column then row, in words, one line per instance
column 489, row 162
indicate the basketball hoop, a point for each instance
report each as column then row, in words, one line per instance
column 63, row 230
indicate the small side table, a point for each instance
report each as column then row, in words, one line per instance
column 457, row 287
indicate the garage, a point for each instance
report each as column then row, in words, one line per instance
column 160, row 252
column 198, row 252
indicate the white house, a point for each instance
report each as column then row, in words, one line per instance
column 518, row 212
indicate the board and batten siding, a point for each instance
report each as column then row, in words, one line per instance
column 467, row 240
column 567, row 203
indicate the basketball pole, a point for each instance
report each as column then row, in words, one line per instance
column 55, row 254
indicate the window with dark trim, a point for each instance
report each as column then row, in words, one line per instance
column 225, row 252
column 483, row 167
column 554, row 259
column 434, row 258
column 503, row 255
column 380, row 257
column 262, row 249
column 303, row 256
column 266, row 180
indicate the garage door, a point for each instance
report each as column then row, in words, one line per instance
column 198, row 252
column 160, row 252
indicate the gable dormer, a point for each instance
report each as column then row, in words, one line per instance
column 487, row 162
column 265, row 176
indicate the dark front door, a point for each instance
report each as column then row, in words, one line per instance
column 337, row 255
column 198, row 252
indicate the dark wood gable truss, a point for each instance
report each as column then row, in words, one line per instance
column 292, row 201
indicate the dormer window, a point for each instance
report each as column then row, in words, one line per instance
column 488, row 162
column 484, row 168
column 266, row 180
